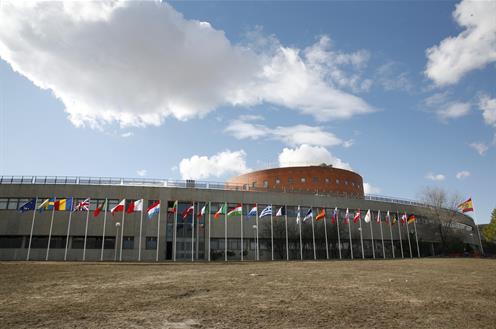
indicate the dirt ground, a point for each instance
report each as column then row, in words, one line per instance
column 418, row 293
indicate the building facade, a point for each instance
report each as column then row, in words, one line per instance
column 176, row 234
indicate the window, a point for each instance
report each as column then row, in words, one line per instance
column 346, row 182
column 265, row 184
column 278, row 181
column 77, row 242
column 315, row 179
column 327, row 180
column 151, row 243
column 303, row 179
column 128, row 242
column 353, row 184
column 337, row 181
column 11, row 241
column 109, row 243
column 254, row 184
column 290, row 180
column 3, row 204
column 12, row 204
column 57, row 242
column 40, row 242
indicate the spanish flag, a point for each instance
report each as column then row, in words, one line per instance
column 320, row 215
column 411, row 219
column 466, row 206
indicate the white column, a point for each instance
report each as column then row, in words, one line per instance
column 122, row 230
column 158, row 229
column 313, row 239
column 398, row 221
column 209, row 217
column 382, row 235
column 256, row 223
column 174, row 233
column 351, row 241
column 361, row 236
column 339, row 237
column 416, row 238
column 225, row 232
column 372, row 237
column 391, row 232
column 193, row 234
column 272, row 232
column 241, row 231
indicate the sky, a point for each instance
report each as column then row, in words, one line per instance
column 404, row 93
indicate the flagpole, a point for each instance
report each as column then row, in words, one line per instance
column 198, row 220
column 174, row 233
column 327, row 244
column 286, row 225
column 122, row 230
column 86, row 231
column 271, row 233
column 408, row 236
column 399, row 233
column 51, row 225
column 256, row 222
column 301, row 241
column 339, row 238
column 416, row 238
column 349, row 231
column 478, row 232
column 225, row 231
column 67, row 237
column 391, row 233
column 209, row 217
column 32, row 227
column 158, row 229
column 193, row 234
column 372, row 237
column 241, row 231
column 313, row 239
column 382, row 235
column 141, row 231
column 104, row 224
column 361, row 236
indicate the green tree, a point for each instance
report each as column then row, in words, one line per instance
column 489, row 231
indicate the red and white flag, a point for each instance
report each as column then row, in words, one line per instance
column 378, row 218
column 188, row 211
column 119, row 207
column 357, row 216
column 347, row 217
column 135, row 206
column 368, row 217
column 83, row 205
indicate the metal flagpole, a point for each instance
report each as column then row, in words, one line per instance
column 241, row 231
column 256, row 222
column 361, row 236
column 86, row 231
column 408, row 236
column 68, row 230
column 51, row 225
column 325, row 231
column 399, row 233
column 313, row 239
column 193, row 234
column 32, row 227
column 104, row 223
column 158, row 229
column 349, row 231
column 286, row 225
column 174, row 233
column 339, row 238
column 372, row 237
column 416, row 238
column 122, row 230
column 382, row 235
column 141, row 231
column 117, row 225
column 198, row 220
column 478, row 232
column 209, row 217
column 391, row 232
column 225, row 232
column 271, row 233
column 301, row 241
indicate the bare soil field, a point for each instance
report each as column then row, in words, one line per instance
column 418, row 293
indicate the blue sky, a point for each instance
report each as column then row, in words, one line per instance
column 401, row 92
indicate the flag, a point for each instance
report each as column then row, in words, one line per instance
column 187, row 212
column 253, row 212
column 221, row 211
column 411, row 219
column 236, row 211
column 357, row 216
column 99, row 209
column 83, row 205
column 203, row 210
column 135, row 206
column 394, row 220
column 63, row 204
column 378, row 218
column 119, row 207
column 347, row 217
column 281, row 211
column 388, row 217
column 334, row 217
column 44, row 205
column 153, row 209
column 30, row 205
column 321, row 215
column 298, row 215
column 403, row 218
column 367, row 217
column 309, row 215
column 466, row 206
column 266, row 212
column 173, row 209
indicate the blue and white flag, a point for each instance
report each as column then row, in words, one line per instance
column 266, row 212
column 253, row 212
column 308, row 215
column 31, row 205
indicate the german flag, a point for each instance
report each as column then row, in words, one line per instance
column 411, row 219
column 466, row 206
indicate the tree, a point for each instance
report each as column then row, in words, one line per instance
column 489, row 231
column 444, row 208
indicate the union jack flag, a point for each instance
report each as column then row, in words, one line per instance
column 83, row 205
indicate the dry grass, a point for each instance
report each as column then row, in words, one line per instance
column 419, row 293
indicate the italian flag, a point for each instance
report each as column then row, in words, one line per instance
column 222, row 210
column 236, row 211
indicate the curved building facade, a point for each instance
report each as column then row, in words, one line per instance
column 193, row 223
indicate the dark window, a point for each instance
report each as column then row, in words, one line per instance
column 128, row 242
column 315, row 179
column 77, row 242
column 40, row 242
column 254, row 184
column 290, row 180
column 10, row 241
column 57, row 242
column 109, row 243
column 3, row 204
column 151, row 242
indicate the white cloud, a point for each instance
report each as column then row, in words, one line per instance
column 141, row 172
column 127, row 134
column 462, row 174
column 137, row 63
column 391, row 77
column 218, row 165
column 309, row 155
column 481, row 148
column 473, row 48
column 488, row 107
column 369, row 189
column 435, row 177
column 453, row 111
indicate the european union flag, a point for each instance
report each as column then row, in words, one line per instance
column 31, row 205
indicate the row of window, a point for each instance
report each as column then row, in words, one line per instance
column 304, row 180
